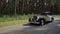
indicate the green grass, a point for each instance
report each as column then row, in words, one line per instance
column 56, row 16
column 13, row 20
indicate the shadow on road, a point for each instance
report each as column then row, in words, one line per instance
column 31, row 24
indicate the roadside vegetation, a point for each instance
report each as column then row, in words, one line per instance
column 15, row 20
column 56, row 16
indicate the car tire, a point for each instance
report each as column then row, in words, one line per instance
column 42, row 22
column 52, row 19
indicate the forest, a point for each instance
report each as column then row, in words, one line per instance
column 14, row 7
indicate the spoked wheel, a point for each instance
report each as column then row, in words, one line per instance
column 42, row 22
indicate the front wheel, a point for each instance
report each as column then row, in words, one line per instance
column 42, row 22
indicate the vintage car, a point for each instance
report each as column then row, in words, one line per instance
column 42, row 18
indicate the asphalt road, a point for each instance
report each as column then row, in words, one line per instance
column 50, row 28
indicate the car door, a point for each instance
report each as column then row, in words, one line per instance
column 47, row 18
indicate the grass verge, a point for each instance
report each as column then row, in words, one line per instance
column 56, row 16
column 13, row 20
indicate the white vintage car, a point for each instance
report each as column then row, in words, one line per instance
column 41, row 19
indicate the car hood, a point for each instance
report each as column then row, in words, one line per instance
column 39, row 16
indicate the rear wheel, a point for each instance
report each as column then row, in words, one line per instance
column 52, row 19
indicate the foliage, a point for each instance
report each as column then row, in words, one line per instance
column 56, row 16
column 13, row 7
column 13, row 20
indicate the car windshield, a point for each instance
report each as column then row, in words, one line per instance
column 46, row 14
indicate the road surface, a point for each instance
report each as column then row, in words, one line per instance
column 50, row 28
